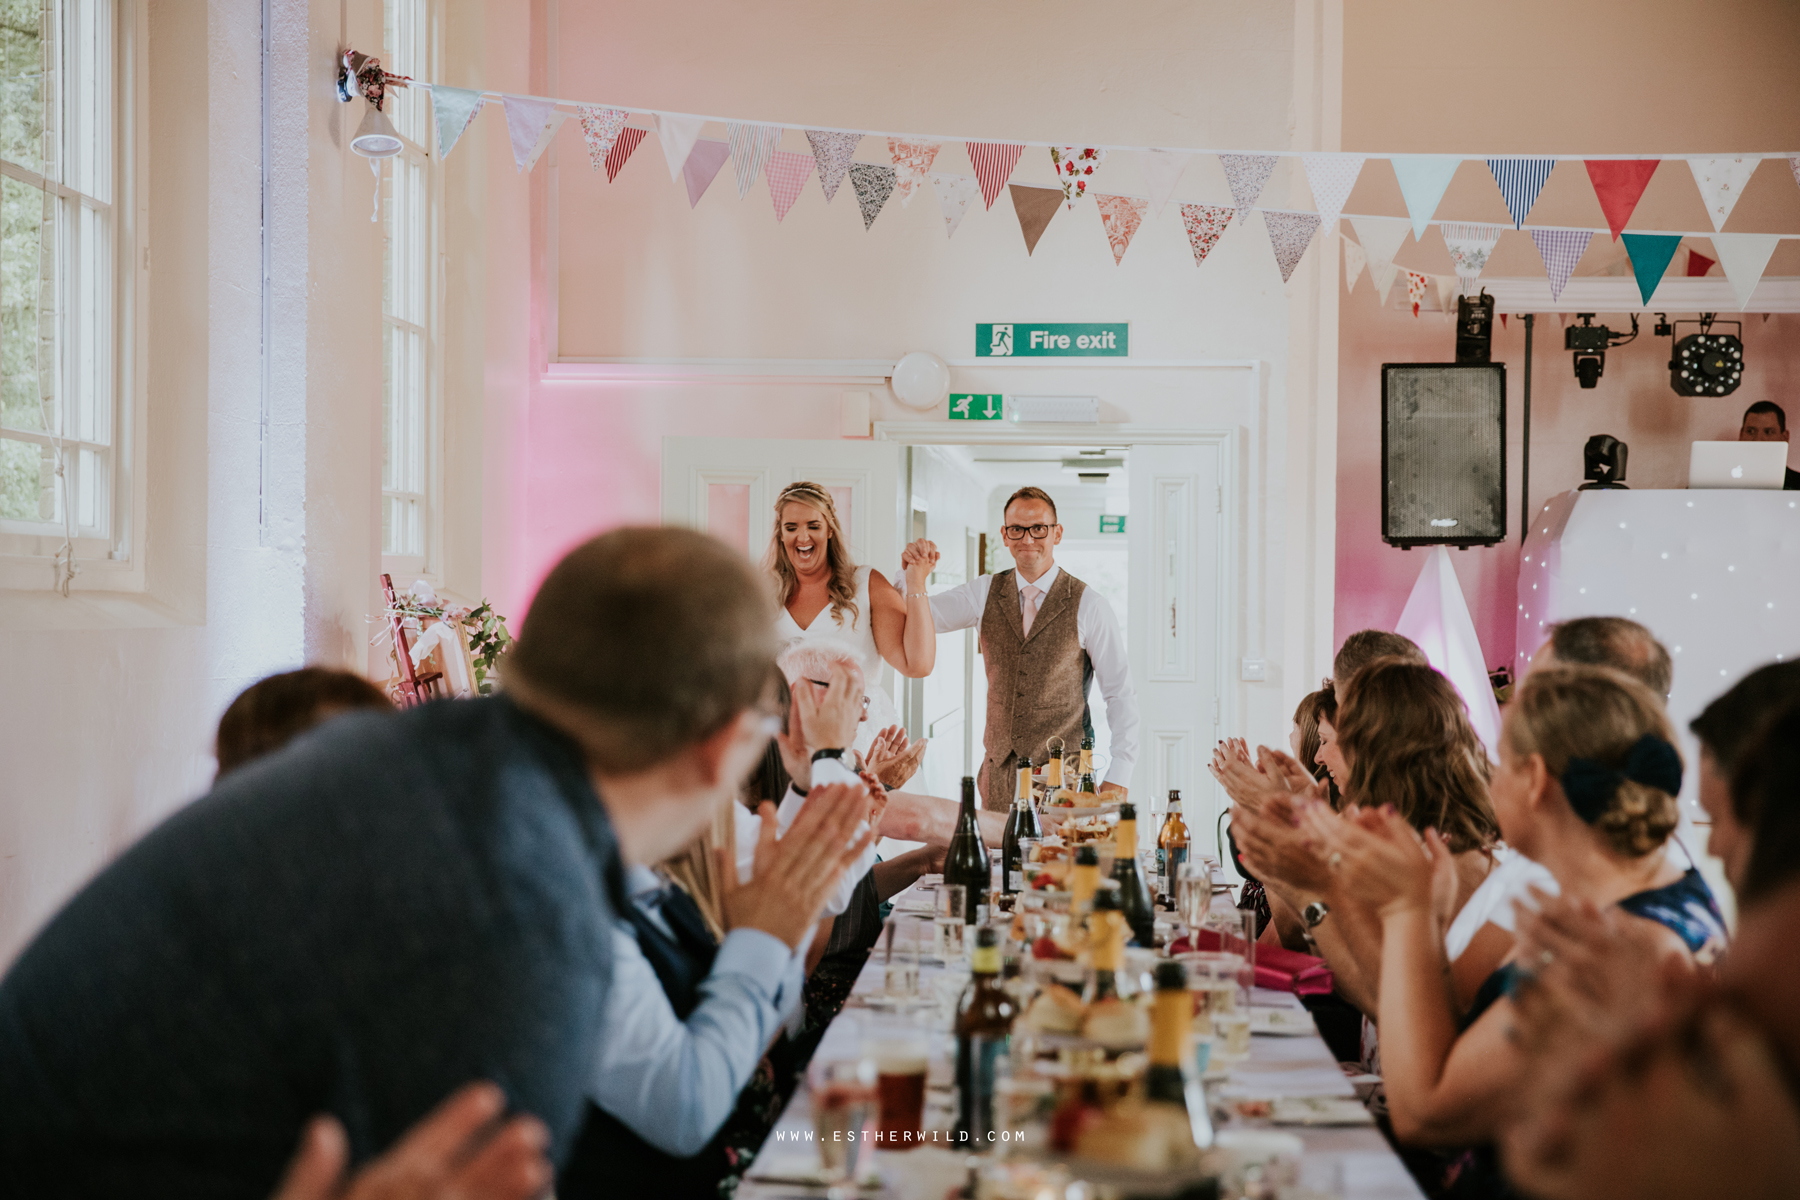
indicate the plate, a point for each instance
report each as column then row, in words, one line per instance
column 1282, row 1022
column 1319, row 1110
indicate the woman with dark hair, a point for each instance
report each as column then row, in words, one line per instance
column 272, row 712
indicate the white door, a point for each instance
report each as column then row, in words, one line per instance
column 1176, row 535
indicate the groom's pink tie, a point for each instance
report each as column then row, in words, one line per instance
column 1032, row 594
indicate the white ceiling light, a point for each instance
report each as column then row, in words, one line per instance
column 920, row 380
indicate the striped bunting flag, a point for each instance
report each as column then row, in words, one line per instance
column 787, row 174
column 629, row 139
column 1520, row 180
column 833, row 152
column 994, row 163
column 751, row 146
column 600, row 129
column 1560, row 249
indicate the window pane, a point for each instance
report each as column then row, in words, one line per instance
column 388, row 441
column 26, row 475
column 22, row 105
column 26, row 225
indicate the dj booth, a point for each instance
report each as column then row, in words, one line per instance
column 1714, row 574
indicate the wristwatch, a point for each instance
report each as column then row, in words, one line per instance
column 837, row 754
column 1314, row 914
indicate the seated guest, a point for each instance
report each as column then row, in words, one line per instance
column 1765, row 422
column 1615, row 642
column 1364, row 647
column 392, row 906
column 272, row 712
column 1727, row 728
column 1586, row 785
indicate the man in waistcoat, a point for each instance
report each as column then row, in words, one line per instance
column 1046, row 637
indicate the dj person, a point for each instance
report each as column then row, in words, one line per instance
column 1045, row 637
column 1765, row 422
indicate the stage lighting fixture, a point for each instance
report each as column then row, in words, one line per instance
column 1707, row 363
column 1604, row 458
column 1589, row 343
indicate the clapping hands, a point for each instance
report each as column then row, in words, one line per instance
column 795, row 874
column 891, row 759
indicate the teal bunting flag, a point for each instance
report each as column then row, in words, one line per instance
column 1650, row 254
column 454, row 108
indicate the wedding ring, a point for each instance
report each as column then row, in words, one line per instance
column 1546, row 957
column 1336, row 860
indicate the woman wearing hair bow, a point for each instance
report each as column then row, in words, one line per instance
column 824, row 596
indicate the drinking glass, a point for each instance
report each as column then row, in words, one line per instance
column 1193, row 894
column 1236, row 928
column 952, row 905
column 900, row 1069
column 843, row 1096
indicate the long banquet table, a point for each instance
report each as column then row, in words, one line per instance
column 1285, row 1066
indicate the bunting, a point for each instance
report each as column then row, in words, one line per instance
column 1520, row 180
column 1034, row 207
column 1721, row 181
column 678, row 135
column 751, row 146
column 1560, row 249
column 1698, row 264
column 1120, row 216
column 912, row 161
column 954, row 193
column 786, row 174
column 873, row 184
column 1423, row 179
column 1650, row 254
column 1469, row 246
column 1355, row 259
column 1794, row 166
column 1075, row 167
column 994, row 163
column 630, row 138
column 1447, row 288
column 1246, row 174
column 1415, row 289
column 1162, row 171
column 1381, row 239
column 1383, row 279
column 526, row 119
column 545, row 137
column 1618, row 185
column 600, row 129
column 454, row 109
column 1204, row 224
column 1290, row 233
column 833, row 152
column 1331, row 176
column 702, row 166
column 1743, row 257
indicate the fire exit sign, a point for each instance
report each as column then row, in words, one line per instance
column 977, row 406
column 1019, row 339
column 1112, row 524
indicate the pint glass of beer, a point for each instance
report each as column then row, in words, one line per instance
column 900, row 1067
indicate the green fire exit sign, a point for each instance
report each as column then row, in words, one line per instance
column 976, row 406
column 1041, row 339
column 1112, row 524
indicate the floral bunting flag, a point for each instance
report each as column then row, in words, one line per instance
column 1560, row 249
column 1355, row 259
column 1121, row 216
column 678, row 135
column 786, row 174
column 1794, row 166
column 1721, row 181
column 1415, row 289
column 873, row 184
column 1744, row 257
column 912, row 162
column 1469, row 246
column 1290, row 233
column 954, row 193
column 1618, row 183
column 454, row 109
column 702, row 166
column 1204, row 224
column 1423, row 179
column 1247, row 174
column 1075, row 168
column 1331, row 176
column 751, row 146
column 600, row 128
column 630, row 138
column 1162, row 171
column 526, row 117
column 1034, row 207
column 994, row 163
column 833, row 152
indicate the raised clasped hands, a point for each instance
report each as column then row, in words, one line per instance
column 918, row 561
column 794, row 874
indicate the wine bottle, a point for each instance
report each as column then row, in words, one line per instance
column 984, row 1018
column 1171, row 845
column 1087, row 782
column 1022, row 822
column 966, row 859
column 1171, row 1025
column 1128, row 873
column 1083, row 881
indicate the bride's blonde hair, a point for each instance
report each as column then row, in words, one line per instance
column 842, row 588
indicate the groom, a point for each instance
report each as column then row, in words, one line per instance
column 1045, row 637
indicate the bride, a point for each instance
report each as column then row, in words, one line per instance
column 823, row 595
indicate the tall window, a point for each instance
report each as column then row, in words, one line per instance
column 57, row 379
column 408, row 287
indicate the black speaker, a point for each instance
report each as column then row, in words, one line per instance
column 1443, row 454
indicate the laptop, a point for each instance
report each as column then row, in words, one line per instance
column 1738, row 465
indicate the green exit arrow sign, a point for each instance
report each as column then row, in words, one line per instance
column 976, row 406
column 1053, row 339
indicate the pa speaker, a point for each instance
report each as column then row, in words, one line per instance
column 1443, row 454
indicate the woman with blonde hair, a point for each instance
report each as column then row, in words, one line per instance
column 823, row 595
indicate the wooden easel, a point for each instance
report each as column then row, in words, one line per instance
column 413, row 688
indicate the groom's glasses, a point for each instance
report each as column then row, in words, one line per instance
column 1016, row 533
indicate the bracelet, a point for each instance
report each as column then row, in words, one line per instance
column 918, row 595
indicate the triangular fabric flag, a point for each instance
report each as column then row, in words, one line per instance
column 1290, row 233
column 1793, row 165
column 1355, row 259
column 702, row 167
column 994, row 163
column 1560, row 249
column 1743, row 257
column 1436, row 618
column 912, row 162
column 1075, row 169
column 873, row 184
column 833, row 152
column 1246, row 174
column 1650, row 254
column 1423, row 178
column 1415, row 289
column 1383, row 279
column 678, row 135
column 1618, row 185
column 954, row 193
column 1698, row 264
column 600, row 129
column 1381, row 239
column 1034, row 207
column 630, row 138
column 545, row 137
column 1204, row 223
column 526, row 117
column 1520, row 180
column 787, row 174
column 1721, row 181
column 454, row 108
column 1121, row 216
column 1469, row 246
column 1331, row 176
column 1503, row 320
column 1162, row 171
column 1447, row 287
column 751, row 146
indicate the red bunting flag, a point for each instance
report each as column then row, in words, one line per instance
column 1698, row 264
column 628, row 140
column 994, row 163
column 1618, row 185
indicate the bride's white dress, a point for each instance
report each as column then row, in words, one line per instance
column 856, row 634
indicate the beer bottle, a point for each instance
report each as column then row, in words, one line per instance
column 1171, row 845
column 984, row 1018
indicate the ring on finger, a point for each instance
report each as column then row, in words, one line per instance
column 1336, row 860
column 1546, row 957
